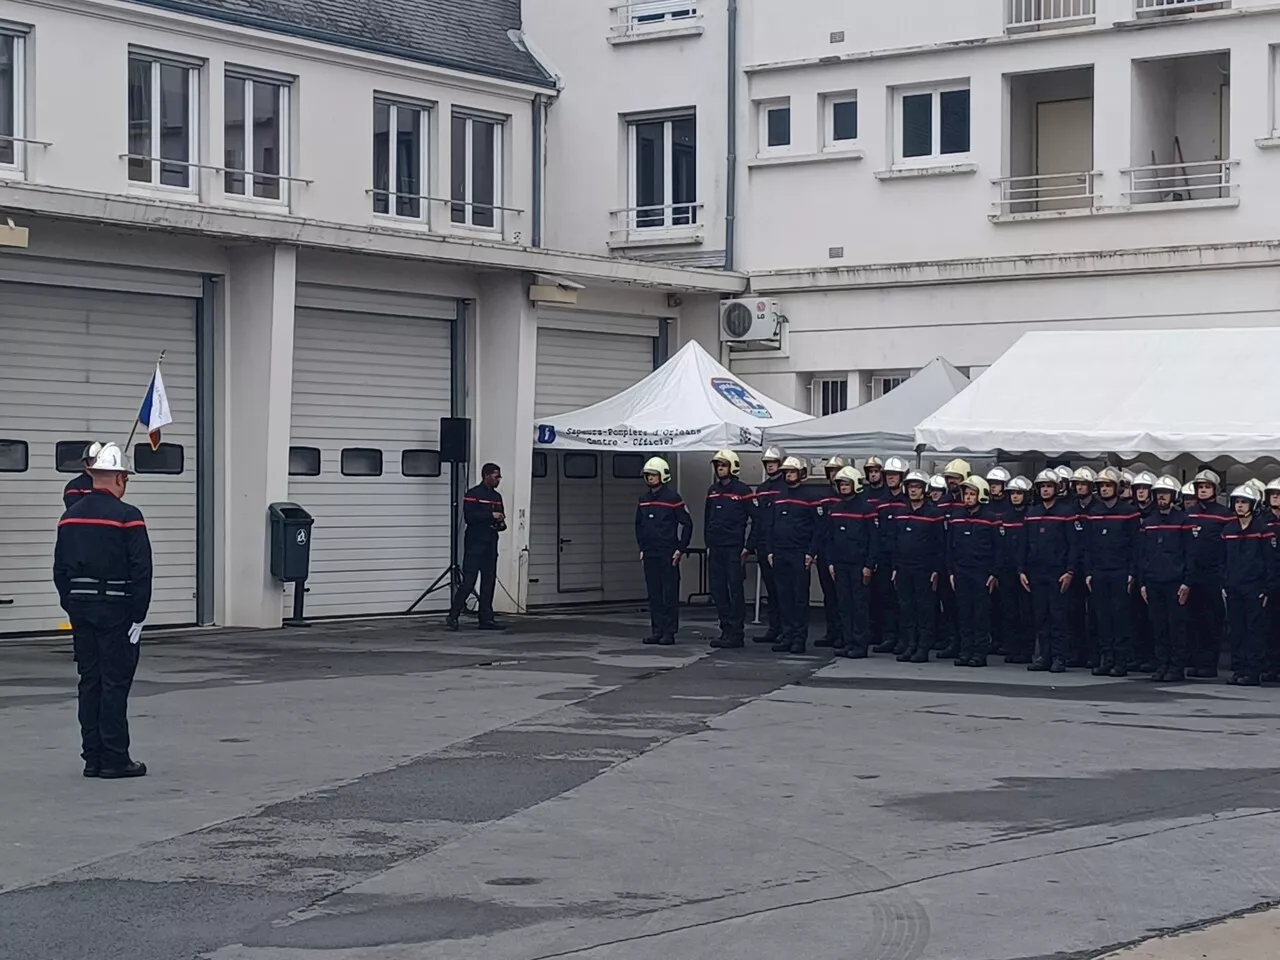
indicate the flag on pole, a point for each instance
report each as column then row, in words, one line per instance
column 155, row 409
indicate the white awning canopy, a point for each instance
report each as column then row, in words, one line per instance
column 1209, row 393
column 883, row 427
column 690, row 403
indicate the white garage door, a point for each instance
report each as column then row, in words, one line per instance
column 74, row 366
column 368, row 394
column 582, row 534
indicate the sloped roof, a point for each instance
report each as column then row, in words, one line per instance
column 466, row 35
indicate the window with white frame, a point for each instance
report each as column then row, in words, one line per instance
column 884, row 381
column 12, row 75
column 830, row 395
column 660, row 11
column 255, row 140
column 933, row 123
column 663, row 172
column 775, row 126
column 840, row 121
column 399, row 158
column 476, row 171
column 1275, row 92
column 162, row 121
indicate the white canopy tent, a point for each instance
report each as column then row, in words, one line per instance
column 1207, row 393
column 883, row 427
column 691, row 403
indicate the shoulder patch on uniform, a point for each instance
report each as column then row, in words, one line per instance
column 819, row 509
column 1079, row 527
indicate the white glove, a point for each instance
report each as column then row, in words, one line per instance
column 135, row 633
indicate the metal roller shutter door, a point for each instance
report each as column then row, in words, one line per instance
column 74, row 365
column 380, row 382
column 575, row 369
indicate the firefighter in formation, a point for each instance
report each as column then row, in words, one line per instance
column 1109, row 571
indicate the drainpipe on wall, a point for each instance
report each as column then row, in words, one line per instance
column 535, row 231
column 731, row 157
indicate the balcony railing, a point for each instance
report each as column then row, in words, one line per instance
column 639, row 16
column 1171, row 182
column 1166, row 8
column 1030, row 15
column 1046, row 191
column 674, row 223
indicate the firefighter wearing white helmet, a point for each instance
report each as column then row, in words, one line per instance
column 1110, row 544
column 834, row 635
column 794, row 536
column 1142, row 484
column 1126, row 484
column 663, row 531
column 849, row 551
column 1048, row 565
column 873, row 470
column 1016, row 614
column 915, row 535
column 944, row 490
column 997, row 480
column 886, row 499
column 102, row 569
column 1082, row 482
column 973, row 554
column 81, row 483
column 727, row 514
column 955, row 471
column 1251, row 569
column 1209, row 519
column 1063, row 474
column 1164, row 568
column 767, row 491
column 937, row 488
column 1273, row 498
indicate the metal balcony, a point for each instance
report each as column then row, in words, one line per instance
column 1025, row 16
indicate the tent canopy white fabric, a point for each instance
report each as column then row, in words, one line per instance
column 1208, row 393
column 883, row 427
column 690, row 403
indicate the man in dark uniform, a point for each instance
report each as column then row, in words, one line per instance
column 486, row 517
column 916, row 550
column 1082, row 625
column 849, row 545
column 663, row 531
column 1016, row 609
column 1110, row 564
column 725, row 518
column 973, row 541
column 1143, row 653
column 830, row 603
column 1205, row 607
column 1164, row 574
column 1271, row 673
column 102, row 569
column 952, row 505
column 997, row 480
column 795, row 535
column 1049, row 563
column 81, row 483
column 1249, row 570
column 884, row 597
column 766, row 492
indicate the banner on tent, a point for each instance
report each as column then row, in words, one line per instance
column 625, row 437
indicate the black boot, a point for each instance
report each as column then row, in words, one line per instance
column 885, row 646
column 769, row 637
column 92, row 768
column 905, row 654
column 131, row 769
column 855, row 652
column 1119, row 670
column 919, row 655
column 1057, row 666
column 1237, row 680
column 824, row 642
column 798, row 646
column 781, row 646
column 1038, row 665
column 841, row 644
column 1104, row 668
column 667, row 641
column 1175, row 675
column 652, row 639
column 451, row 621
column 977, row 661
column 1017, row 658
column 949, row 652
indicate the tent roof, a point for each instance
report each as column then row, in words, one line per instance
column 884, row 427
column 1208, row 393
column 689, row 403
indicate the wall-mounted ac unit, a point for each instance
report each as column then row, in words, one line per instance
column 755, row 322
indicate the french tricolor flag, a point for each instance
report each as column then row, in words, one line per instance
column 155, row 409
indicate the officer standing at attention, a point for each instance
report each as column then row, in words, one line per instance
column 794, row 534
column 1111, row 531
column 997, row 479
column 916, row 552
column 728, row 509
column 1143, row 659
column 81, row 483
column 1082, row 632
column 830, row 604
column 1205, row 611
column 1249, row 573
column 884, row 596
column 1050, row 559
column 1164, row 572
column 1271, row 673
column 973, row 541
column 663, row 531
column 1016, row 610
column 850, row 546
column 766, row 492
column 102, row 569
column 486, row 517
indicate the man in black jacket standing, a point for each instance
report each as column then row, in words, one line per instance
column 102, row 569
column 486, row 517
column 663, row 531
column 725, row 517
column 1164, row 562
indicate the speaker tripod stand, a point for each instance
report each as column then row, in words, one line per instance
column 451, row 577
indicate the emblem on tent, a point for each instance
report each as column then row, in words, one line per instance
column 546, row 433
column 740, row 397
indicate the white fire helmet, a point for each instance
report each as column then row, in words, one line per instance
column 998, row 475
column 1189, row 490
column 1166, row 483
column 1109, row 475
column 1062, row 474
column 896, row 465
column 1020, row 483
column 957, row 468
column 834, row 464
column 1048, row 476
column 873, row 462
column 729, row 457
column 1208, row 476
column 979, row 484
column 916, row 476
column 1274, row 486
column 776, row 454
column 853, row 475
column 110, row 459
column 91, row 452
column 1246, row 491
column 1148, row 479
column 1083, row 475
column 658, row 466
column 793, row 463
column 937, row 482
column 1126, row 477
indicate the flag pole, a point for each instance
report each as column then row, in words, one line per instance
column 128, row 444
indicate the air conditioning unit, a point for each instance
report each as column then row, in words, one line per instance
column 755, row 322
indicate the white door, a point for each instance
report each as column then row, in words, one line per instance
column 369, row 391
column 596, row 514
column 74, row 366
column 1064, row 145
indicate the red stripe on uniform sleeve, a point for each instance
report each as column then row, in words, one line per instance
column 95, row 522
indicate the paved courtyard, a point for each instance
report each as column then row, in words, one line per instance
column 388, row 791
